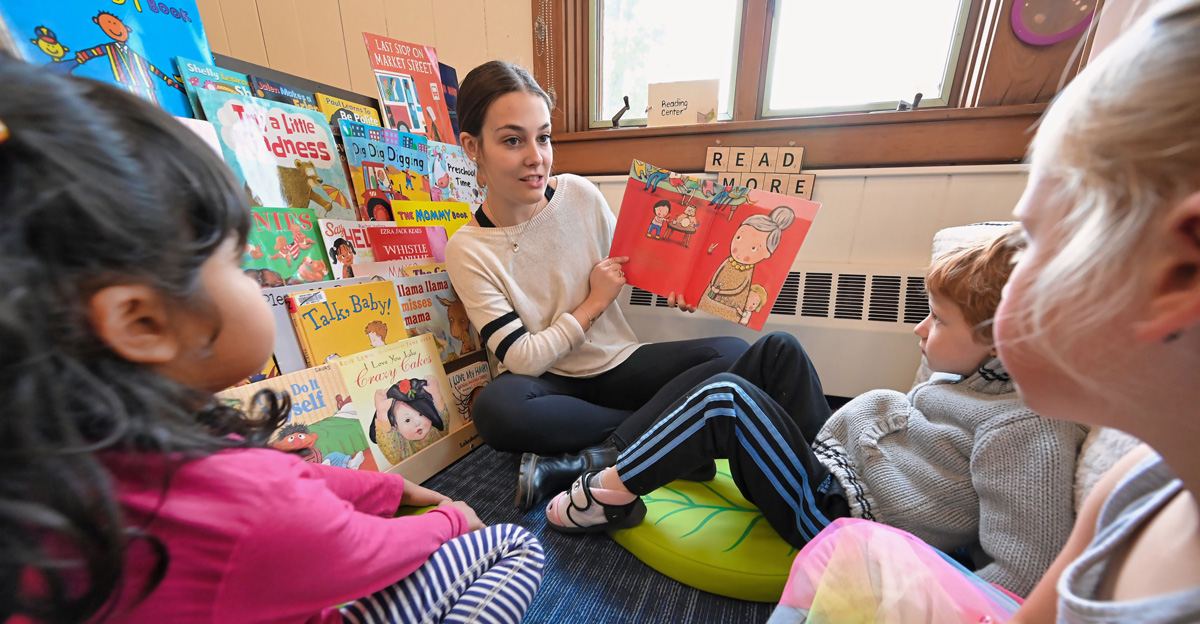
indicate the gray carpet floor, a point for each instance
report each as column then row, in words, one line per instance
column 588, row 578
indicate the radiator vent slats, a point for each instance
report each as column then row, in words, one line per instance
column 845, row 296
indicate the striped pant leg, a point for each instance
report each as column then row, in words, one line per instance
column 772, row 464
column 488, row 576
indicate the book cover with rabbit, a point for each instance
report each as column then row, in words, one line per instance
column 403, row 392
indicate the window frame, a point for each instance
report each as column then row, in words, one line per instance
column 1000, row 89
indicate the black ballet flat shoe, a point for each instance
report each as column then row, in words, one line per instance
column 542, row 476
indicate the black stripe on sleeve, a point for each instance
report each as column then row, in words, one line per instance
column 502, row 348
column 486, row 333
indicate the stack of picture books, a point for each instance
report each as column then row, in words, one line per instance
column 352, row 209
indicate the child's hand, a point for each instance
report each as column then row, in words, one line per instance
column 473, row 521
column 417, row 496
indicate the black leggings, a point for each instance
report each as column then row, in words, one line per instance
column 761, row 415
column 555, row 414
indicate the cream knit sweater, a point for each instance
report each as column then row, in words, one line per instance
column 521, row 302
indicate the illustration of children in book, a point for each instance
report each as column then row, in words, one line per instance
column 290, row 251
column 128, row 67
column 310, row 270
column 47, row 42
column 731, row 196
column 297, row 438
column 662, row 210
column 343, row 251
column 654, row 175
column 407, row 413
column 377, row 332
column 460, row 326
column 755, row 301
column 685, row 223
column 755, row 240
column 266, row 277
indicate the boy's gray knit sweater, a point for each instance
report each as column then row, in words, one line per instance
column 961, row 462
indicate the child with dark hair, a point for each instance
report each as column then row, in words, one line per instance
column 129, row 492
column 343, row 250
column 958, row 461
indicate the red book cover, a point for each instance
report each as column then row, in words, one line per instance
column 727, row 249
column 411, row 96
column 405, row 243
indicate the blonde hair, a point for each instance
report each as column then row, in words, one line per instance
column 762, row 296
column 973, row 277
column 1118, row 149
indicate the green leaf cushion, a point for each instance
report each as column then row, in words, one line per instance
column 708, row 536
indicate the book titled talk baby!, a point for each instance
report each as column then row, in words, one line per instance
column 727, row 249
column 284, row 154
column 323, row 426
column 332, row 323
column 403, row 392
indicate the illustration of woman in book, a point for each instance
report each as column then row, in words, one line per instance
column 343, row 251
column 377, row 333
column 755, row 240
column 405, row 415
column 756, row 301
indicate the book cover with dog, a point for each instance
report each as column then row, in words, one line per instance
column 403, row 393
column 128, row 44
column 284, row 248
column 727, row 249
column 411, row 96
column 332, row 323
column 284, row 155
column 323, row 425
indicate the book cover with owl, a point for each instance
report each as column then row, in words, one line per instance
column 403, row 390
column 284, row 155
column 323, row 425
column 333, row 323
column 284, row 248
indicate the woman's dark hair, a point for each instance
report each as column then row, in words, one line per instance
column 97, row 188
column 487, row 82
column 337, row 244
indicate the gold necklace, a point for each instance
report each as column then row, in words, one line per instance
column 514, row 243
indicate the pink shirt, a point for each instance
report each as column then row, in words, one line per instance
column 257, row 534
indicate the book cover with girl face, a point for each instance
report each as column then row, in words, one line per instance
column 727, row 249
column 354, row 233
column 333, row 323
column 284, row 248
column 323, row 425
column 404, row 391
column 284, row 155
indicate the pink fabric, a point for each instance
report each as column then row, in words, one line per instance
column 857, row 571
column 257, row 534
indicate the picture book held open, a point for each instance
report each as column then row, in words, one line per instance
column 727, row 249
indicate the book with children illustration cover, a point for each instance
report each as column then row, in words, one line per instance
column 286, row 94
column 199, row 76
column 452, row 176
column 386, row 167
column 128, row 44
column 337, row 322
column 289, row 358
column 323, row 427
column 283, row 154
column 406, row 243
column 411, row 97
column 283, row 247
column 727, row 249
column 403, row 392
column 348, row 244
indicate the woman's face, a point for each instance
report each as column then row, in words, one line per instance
column 749, row 246
column 409, row 422
column 514, row 148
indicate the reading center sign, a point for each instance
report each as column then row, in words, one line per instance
column 680, row 103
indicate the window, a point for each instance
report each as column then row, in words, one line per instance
column 861, row 54
column 640, row 42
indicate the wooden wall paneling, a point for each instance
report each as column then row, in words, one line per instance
column 413, row 22
column 214, row 25
column 280, row 21
column 461, row 35
column 752, row 59
column 509, row 32
column 244, row 30
column 577, row 20
column 958, row 84
column 324, row 49
column 359, row 16
column 1019, row 73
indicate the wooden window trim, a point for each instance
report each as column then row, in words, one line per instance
column 1001, row 88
